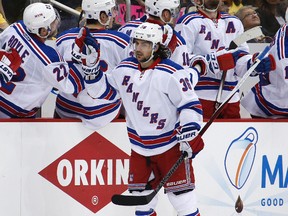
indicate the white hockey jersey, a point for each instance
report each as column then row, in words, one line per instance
column 177, row 44
column 156, row 101
column 269, row 97
column 42, row 68
column 94, row 113
column 203, row 36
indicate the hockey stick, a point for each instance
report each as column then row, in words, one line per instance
column 244, row 37
column 133, row 200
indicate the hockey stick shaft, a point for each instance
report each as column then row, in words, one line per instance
column 235, row 89
column 244, row 37
column 133, row 200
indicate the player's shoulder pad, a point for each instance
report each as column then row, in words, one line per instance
column 180, row 39
column 54, row 55
column 134, row 23
column 169, row 66
column 119, row 38
column 120, row 35
column 69, row 31
column 186, row 18
column 224, row 15
column 67, row 35
column 130, row 62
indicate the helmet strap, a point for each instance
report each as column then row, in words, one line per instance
column 152, row 54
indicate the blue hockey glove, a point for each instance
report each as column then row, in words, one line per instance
column 265, row 66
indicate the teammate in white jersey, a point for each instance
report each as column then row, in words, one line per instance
column 206, row 31
column 162, row 13
column 268, row 98
column 41, row 69
column 162, row 108
column 114, row 47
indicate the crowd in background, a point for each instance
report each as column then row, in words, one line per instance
column 270, row 14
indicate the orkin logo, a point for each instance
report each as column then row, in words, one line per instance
column 91, row 172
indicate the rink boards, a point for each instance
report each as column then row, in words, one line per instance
column 61, row 168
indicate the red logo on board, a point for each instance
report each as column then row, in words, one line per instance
column 91, row 172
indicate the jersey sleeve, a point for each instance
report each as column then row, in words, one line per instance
column 102, row 86
column 62, row 77
column 189, row 33
column 181, row 93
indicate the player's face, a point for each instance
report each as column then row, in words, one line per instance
column 54, row 28
column 168, row 15
column 211, row 4
column 142, row 50
column 224, row 6
column 52, row 31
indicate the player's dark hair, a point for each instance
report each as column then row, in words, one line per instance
column 88, row 21
column 163, row 52
column 91, row 21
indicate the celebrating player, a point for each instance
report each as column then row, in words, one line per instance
column 206, row 31
column 42, row 68
column 94, row 113
column 163, row 116
column 268, row 98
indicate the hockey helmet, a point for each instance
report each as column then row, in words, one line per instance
column 39, row 15
column 156, row 7
column 148, row 32
column 93, row 8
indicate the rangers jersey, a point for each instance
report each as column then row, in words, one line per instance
column 94, row 113
column 203, row 36
column 42, row 68
column 268, row 98
column 157, row 100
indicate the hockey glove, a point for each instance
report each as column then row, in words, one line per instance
column 265, row 66
column 185, row 134
column 223, row 60
column 78, row 44
column 90, row 58
column 197, row 145
column 200, row 63
column 9, row 63
column 227, row 59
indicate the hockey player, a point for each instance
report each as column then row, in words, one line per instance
column 268, row 98
column 114, row 47
column 162, row 13
column 206, row 31
column 41, row 66
column 163, row 115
